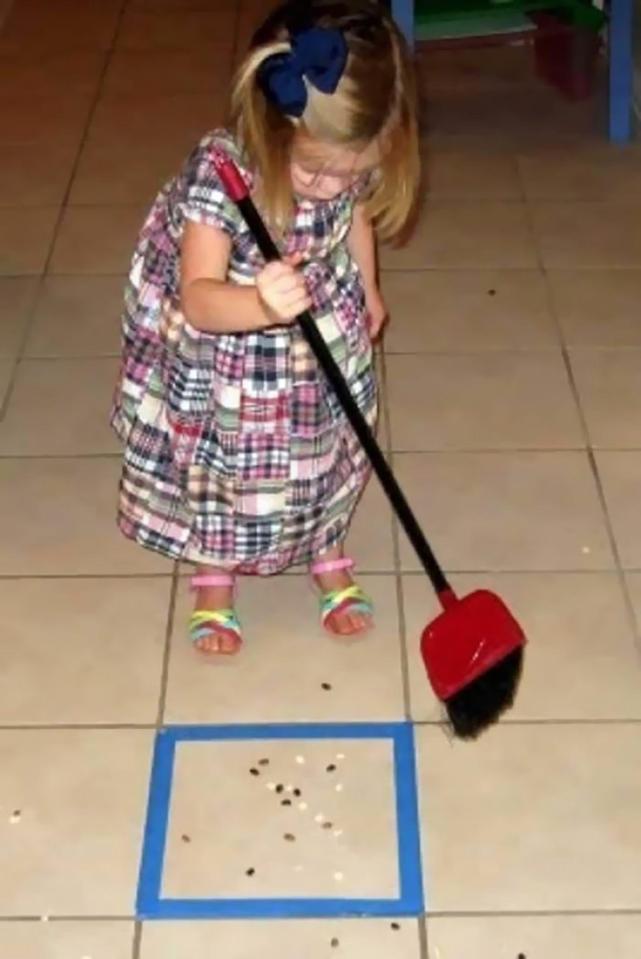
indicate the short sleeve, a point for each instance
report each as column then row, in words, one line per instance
column 205, row 200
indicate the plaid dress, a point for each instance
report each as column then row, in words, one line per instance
column 237, row 453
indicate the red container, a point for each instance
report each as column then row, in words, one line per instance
column 566, row 55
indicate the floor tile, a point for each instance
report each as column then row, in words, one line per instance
column 40, row 26
column 68, row 523
column 621, row 477
column 598, row 307
column 144, row 123
column 633, row 586
column 280, row 940
column 555, row 937
column 124, row 174
column 506, row 511
column 29, row 178
column 606, row 234
column 578, row 632
column 38, row 74
column 74, row 849
column 65, row 645
column 6, row 371
column 77, row 316
column 177, row 30
column 60, row 408
column 17, row 295
column 465, row 310
column 582, row 174
column 59, row 940
column 212, row 778
column 609, row 385
column 158, row 72
column 97, row 240
column 287, row 659
column 25, row 238
column 481, row 401
column 371, row 544
column 527, row 819
column 45, row 122
column 466, row 234
column 476, row 174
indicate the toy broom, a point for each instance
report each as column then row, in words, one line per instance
column 473, row 651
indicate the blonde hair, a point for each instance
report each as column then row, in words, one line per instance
column 375, row 101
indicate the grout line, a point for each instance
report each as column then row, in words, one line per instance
column 396, row 550
column 594, row 469
column 137, row 940
column 31, row 314
column 164, row 680
column 363, row 571
column 532, row 914
column 423, row 937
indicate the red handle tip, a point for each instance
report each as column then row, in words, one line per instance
column 234, row 185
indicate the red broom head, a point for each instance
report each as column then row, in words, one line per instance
column 473, row 654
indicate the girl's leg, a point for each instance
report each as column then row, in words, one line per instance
column 216, row 638
column 344, row 622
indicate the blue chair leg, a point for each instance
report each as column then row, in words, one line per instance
column 621, row 72
column 403, row 13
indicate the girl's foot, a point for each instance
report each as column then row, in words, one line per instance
column 345, row 609
column 214, row 626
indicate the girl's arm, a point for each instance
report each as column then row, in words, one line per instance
column 361, row 242
column 208, row 301
column 213, row 305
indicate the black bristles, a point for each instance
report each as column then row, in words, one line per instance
column 483, row 701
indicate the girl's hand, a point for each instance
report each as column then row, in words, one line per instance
column 377, row 313
column 282, row 292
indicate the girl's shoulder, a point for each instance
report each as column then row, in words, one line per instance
column 200, row 164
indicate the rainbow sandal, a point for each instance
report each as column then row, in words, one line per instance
column 221, row 622
column 340, row 600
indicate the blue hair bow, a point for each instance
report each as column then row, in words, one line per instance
column 318, row 54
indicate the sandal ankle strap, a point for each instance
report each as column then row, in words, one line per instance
column 331, row 565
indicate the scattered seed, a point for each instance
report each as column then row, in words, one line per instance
column 585, row 550
column 286, row 802
column 250, row 872
column 44, row 918
column 340, row 755
column 319, row 818
column 331, row 768
column 289, row 837
column 280, row 788
column 338, row 876
column 326, row 686
column 491, row 292
column 185, row 837
column 521, row 955
column 328, row 825
column 338, row 833
column 300, row 760
column 339, row 787
column 297, row 793
column 303, row 806
column 395, row 926
column 271, row 787
column 298, row 868
column 289, row 788
column 254, row 771
column 335, row 943
column 263, row 762
column 15, row 817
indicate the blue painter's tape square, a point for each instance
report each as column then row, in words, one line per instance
column 410, row 901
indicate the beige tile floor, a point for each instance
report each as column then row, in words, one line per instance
column 512, row 380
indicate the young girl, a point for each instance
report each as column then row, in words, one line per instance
column 238, row 457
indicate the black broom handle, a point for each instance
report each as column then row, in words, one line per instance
column 359, row 423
